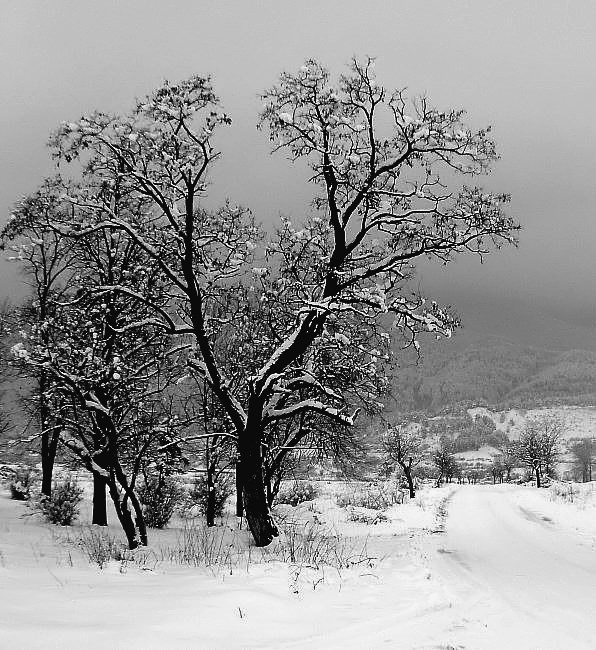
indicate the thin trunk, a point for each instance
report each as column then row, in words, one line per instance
column 49, row 444
column 537, row 470
column 139, row 519
column 239, row 503
column 124, row 516
column 210, row 496
column 49, row 440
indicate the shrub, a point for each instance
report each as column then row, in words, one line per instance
column 199, row 492
column 100, row 547
column 298, row 493
column 366, row 516
column 62, row 507
column 198, row 545
column 159, row 496
column 22, row 483
column 373, row 497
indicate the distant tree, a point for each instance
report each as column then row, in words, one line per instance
column 405, row 445
column 539, row 446
column 444, row 462
column 473, row 475
column 583, row 454
column 508, row 460
column 497, row 470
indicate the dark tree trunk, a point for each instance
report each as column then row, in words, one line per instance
column 124, row 516
column 210, row 513
column 100, row 513
column 272, row 484
column 537, row 470
column 49, row 441
column 409, row 478
column 258, row 514
column 49, row 445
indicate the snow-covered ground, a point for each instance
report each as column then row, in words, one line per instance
column 460, row 567
column 519, row 569
column 51, row 596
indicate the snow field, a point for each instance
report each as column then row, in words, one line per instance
column 347, row 581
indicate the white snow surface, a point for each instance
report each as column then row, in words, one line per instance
column 508, row 567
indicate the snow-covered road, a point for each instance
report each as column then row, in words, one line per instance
column 516, row 578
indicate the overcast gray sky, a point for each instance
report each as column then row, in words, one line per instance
column 524, row 66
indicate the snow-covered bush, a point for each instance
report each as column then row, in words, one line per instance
column 378, row 496
column 199, row 545
column 21, row 483
column 159, row 495
column 100, row 547
column 62, row 507
column 197, row 499
column 366, row 516
column 298, row 493
column 308, row 544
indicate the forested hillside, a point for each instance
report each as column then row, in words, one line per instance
column 495, row 372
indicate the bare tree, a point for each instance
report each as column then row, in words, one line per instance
column 46, row 259
column 508, row 460
column 583, row 453
column 444, row 461
column 497, row 469
column 405, row 445
column 106, row 367
column 539, row 446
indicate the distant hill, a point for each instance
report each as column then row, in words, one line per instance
column 495, row 372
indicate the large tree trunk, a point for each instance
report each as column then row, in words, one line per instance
column 100, row 513
column 537, row 471
column 256, row 508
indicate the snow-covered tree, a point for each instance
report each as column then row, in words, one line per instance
column 538, row 447
column 404, row 444
column 107, row 367
column 443, row 459
column 583, row 455
column 382, row 203
column 47, row 261
column 497, row 469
